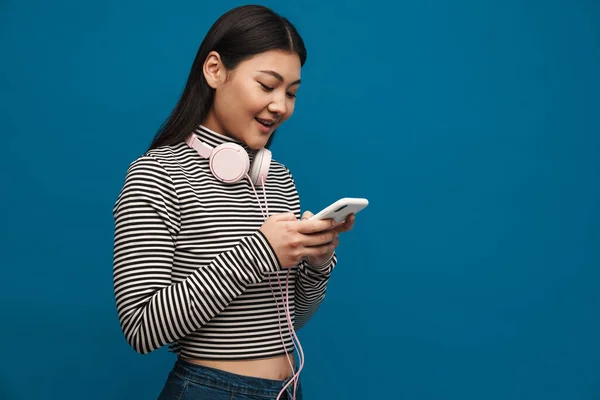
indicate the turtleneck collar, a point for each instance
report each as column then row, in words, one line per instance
column 214, row 139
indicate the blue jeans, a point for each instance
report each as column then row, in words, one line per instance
column 188, row 381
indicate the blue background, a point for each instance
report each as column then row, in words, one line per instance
column 472, row 127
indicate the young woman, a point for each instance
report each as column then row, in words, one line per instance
column 211, row 255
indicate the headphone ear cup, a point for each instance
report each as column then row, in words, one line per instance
column 229, row 162
column 260, row 167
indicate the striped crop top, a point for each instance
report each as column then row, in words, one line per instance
column 192, row 271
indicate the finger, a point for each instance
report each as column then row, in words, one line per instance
column 347, row 225
column 318, row 251
column 319, row 239
column 350, row 221
column 307, row 214
column 284, row 217
column 312, row 226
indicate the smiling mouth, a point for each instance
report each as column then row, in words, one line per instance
column 265, row 122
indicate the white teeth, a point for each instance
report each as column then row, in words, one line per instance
column 262, row 121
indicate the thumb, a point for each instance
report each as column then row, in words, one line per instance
column 307, row 214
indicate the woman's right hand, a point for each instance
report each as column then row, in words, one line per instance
column 294, row 239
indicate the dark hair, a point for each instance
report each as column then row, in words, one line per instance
column 237, row 35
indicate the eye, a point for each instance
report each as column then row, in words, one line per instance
column 291, row 95
column 265, row 87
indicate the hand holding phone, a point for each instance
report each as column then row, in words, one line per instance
column 339, row 212
column 293, row 240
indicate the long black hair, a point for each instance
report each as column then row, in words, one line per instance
column 237, row 35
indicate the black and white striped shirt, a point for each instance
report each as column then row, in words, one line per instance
column 191, row 268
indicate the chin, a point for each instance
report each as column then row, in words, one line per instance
column 258, row 143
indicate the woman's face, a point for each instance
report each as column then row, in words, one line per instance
column 255, row 98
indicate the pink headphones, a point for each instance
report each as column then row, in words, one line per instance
column 230, row 163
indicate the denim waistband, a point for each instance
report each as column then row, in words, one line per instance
column 228, row 381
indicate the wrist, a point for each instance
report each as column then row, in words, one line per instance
column 319, row 262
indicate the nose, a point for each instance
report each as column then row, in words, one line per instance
column 277, row 106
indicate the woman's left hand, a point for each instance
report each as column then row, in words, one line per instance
column 345, row 226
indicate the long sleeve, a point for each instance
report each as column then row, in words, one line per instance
column 311, row 282
column 152, row 310
column 311, row 286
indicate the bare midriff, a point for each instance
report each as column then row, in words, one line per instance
column 274, row 368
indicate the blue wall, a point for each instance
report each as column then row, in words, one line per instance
column 473, row 128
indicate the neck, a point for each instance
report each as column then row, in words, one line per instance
column 214, row 138
column 211, row 124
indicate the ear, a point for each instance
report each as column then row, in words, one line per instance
column 213, row 69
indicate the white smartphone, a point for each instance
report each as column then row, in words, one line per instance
column 340, row 210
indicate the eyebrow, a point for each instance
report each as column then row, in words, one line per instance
column 279, row 77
